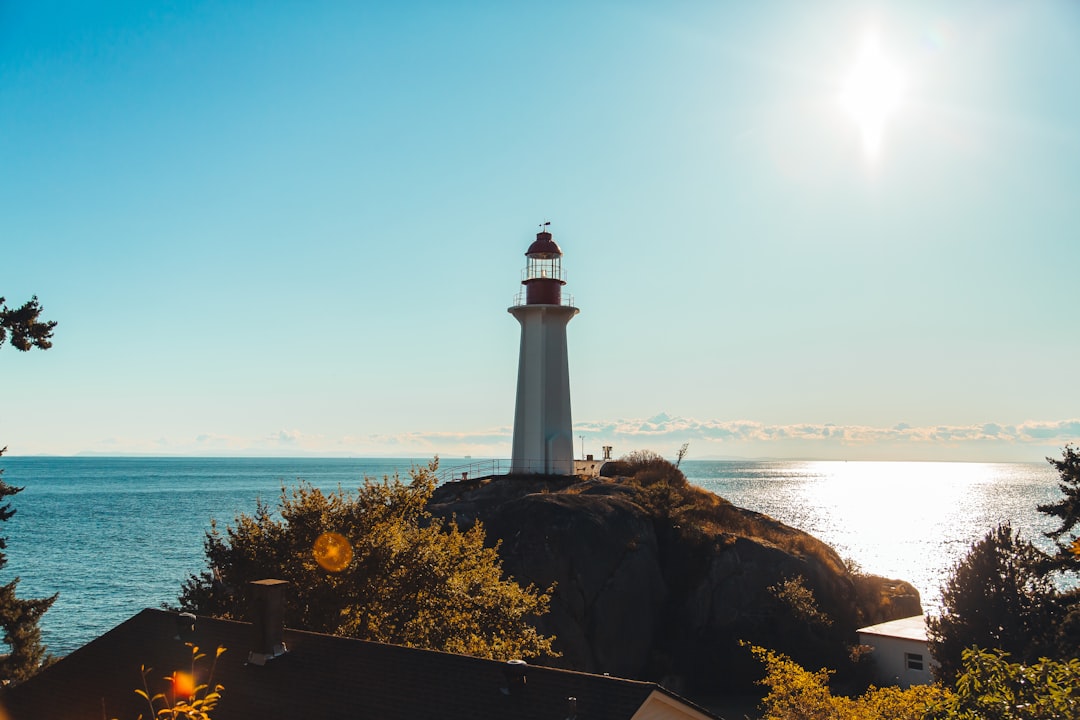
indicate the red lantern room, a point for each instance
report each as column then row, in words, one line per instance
column 542, row 277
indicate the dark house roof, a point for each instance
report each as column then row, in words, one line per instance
column 321, row 676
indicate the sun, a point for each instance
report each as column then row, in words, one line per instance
column 872, row 92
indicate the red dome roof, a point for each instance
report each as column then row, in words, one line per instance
column 543, row 247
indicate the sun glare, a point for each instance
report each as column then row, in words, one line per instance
column 871, row 93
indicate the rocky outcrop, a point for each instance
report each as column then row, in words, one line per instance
column 663, row 587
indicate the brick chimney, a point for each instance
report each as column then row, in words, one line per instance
column 267, row 615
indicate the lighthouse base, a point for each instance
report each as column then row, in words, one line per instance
column 543, row 431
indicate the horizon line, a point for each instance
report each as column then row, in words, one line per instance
column 475, row 459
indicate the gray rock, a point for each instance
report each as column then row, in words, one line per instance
column 639, row 593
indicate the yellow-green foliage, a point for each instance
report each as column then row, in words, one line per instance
column 187, row 697
column 988, row 688
column 410, row 578
column 992, row 688
column 799, row 694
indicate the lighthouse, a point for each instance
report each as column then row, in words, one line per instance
column 543, row 433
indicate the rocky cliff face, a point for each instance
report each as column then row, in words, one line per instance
column 661, row 582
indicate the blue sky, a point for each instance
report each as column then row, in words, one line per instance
column 295, row 228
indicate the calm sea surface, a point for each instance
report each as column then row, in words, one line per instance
column 116, row 535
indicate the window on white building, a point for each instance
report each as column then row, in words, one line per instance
column 913, row 661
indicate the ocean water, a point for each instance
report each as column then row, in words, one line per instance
column 906, row 520
column 115, row 535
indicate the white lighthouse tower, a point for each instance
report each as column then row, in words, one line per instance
column 543, row 433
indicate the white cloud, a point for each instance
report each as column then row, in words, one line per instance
column 753, row 437
column 991, row 440
column 750, row 438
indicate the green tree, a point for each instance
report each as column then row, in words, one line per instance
column 24, row 329
column 1066, row 510
column 992, row 688
column 1066, row 561
column 18, row 617
column 373, row 564
column 997, row 596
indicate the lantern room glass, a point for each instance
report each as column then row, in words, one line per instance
column 544, row 268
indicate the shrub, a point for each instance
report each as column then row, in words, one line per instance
column 799, row 694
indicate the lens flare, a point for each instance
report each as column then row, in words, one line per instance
column 332, row 551
column 183, row 684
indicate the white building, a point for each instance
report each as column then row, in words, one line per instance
column 901, row 651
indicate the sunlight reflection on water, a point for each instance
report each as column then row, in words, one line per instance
column 906, row 520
